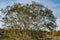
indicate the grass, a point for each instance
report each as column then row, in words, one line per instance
column 18, row 34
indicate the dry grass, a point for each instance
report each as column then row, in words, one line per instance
column 26, row 35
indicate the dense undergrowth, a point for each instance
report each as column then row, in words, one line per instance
column 18, row 34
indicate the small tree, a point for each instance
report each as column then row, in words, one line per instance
column 29, row 16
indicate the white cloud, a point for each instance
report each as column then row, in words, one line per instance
column 58, row 23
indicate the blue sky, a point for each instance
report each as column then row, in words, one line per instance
column 55, row 1
column 54, row 5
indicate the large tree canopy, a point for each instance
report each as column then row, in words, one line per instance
column 29, row 16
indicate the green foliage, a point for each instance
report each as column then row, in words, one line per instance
column 29, row 16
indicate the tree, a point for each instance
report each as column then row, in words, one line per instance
column 29, row 16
